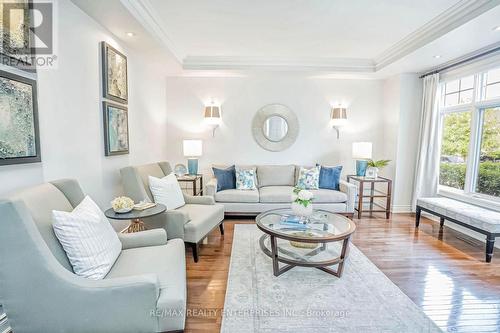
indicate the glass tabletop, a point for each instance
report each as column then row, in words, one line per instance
column 321, row 225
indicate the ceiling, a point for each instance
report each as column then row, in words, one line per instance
column 324, row 36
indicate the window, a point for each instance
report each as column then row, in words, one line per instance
column 470, row 135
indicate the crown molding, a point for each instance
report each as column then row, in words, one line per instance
column 144, row 12
column 448, row 20
column 453, row 17
column 266, row 63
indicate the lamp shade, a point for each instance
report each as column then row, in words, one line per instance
column 362, row 150
column 212, row 115
column 192, row 148
column 338, row 116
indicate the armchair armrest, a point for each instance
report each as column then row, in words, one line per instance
column 350, row 190
column 199, row 200
column 172, row 221
column 153, row 237
column 211, row 187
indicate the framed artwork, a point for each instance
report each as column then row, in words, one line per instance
column 114, row 74
column 115, row 129
column 19, row 133
column 16, row 46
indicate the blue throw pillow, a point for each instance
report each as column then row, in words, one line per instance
column 226, row 178
column 329, row 177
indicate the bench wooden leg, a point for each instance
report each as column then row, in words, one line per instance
column 417, row 216
column 490, row 243
column 441, row 221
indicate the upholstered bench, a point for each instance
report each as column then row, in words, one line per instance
column 482, row 220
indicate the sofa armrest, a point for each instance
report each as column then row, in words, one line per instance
column 350, row 190
column 211, row 187
column 199, row 200
column 153, row 237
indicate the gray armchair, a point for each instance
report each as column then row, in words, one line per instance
column 145, row 291
column 191, row 222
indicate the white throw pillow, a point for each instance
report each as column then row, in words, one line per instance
column 167, row 191
column 87, row 237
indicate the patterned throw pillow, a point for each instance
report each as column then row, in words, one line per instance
column 308, row 178
column 245, row 179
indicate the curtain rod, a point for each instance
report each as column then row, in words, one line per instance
column 461, row 62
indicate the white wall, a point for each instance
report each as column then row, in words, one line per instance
column 70, row 112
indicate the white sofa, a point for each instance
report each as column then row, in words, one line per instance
column 275, row 184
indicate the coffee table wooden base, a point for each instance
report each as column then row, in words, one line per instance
column 136, row 225
column 322, row 265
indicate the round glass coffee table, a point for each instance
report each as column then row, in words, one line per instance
column 321, row 243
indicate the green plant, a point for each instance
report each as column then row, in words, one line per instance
column 453, row 175
column 378, row 164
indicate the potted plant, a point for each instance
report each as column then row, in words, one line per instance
column 374, row 167
column 302, row 202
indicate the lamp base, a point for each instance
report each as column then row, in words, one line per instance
column 193, row 166
column 361, row 166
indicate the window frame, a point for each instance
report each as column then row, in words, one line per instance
column 476, row 107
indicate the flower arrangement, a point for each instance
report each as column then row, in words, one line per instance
column 122, row 204
column 302, row 202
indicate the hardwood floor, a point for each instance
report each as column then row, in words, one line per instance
column 444, row 273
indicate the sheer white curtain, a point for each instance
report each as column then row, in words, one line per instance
column 427, row 169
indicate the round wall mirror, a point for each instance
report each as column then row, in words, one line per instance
column 275, row 127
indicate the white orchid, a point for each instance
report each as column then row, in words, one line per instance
column 305, row 195
column 122, row 203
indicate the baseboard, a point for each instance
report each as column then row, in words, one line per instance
column 401, row 209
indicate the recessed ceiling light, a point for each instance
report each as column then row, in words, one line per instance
column 130, row 34
column 497, row 28
column 437, row 56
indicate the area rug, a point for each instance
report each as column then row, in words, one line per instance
column 309, row 300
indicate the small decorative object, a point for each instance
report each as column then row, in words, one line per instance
column 192, row 150
column 302, row 203
column 338, row 118
column 114, row 74
column 19, row 135
column 212, row 117
column 122, row 205
column 362, row 152
column 374, row 167
column 180, row 170
column 303, row 245
column 115, row 129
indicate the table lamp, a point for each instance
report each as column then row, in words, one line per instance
column 192, row 150
column 362, row 152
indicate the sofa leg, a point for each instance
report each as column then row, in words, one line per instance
column 441, row 222
column 196, row 250
column 417, row 216
column 221, row 228
column 490, row 243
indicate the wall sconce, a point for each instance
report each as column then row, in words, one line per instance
column 338, row 118
column 213, row 117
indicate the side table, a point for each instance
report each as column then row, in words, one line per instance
column 136, row 216
column 374, row 193
column 193, row 179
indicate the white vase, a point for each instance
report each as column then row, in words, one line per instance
column 302, row 211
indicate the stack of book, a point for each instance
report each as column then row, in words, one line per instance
column 4, row 324
column 293, row 221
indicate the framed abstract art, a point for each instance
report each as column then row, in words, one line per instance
column 115, row 129
column 114, row 74
column 19, row 133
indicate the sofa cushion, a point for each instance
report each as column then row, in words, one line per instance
column 276, row 194
column 276, row 175
column 226, row 178
column 329, row 177
column 308, row 178
column 237, row 196
column 328, row 196
column 245, row 179
column 168, row 263
column 167, row 191
column 203, row 219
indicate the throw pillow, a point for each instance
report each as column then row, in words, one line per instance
column 167, row 191
column 329, row 177
column 88, row 239
column 226, row 178
column 308, row 178
column 245, row 179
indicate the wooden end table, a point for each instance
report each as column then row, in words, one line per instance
column 193, row 179
column 374, row 193
column 136, row 216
